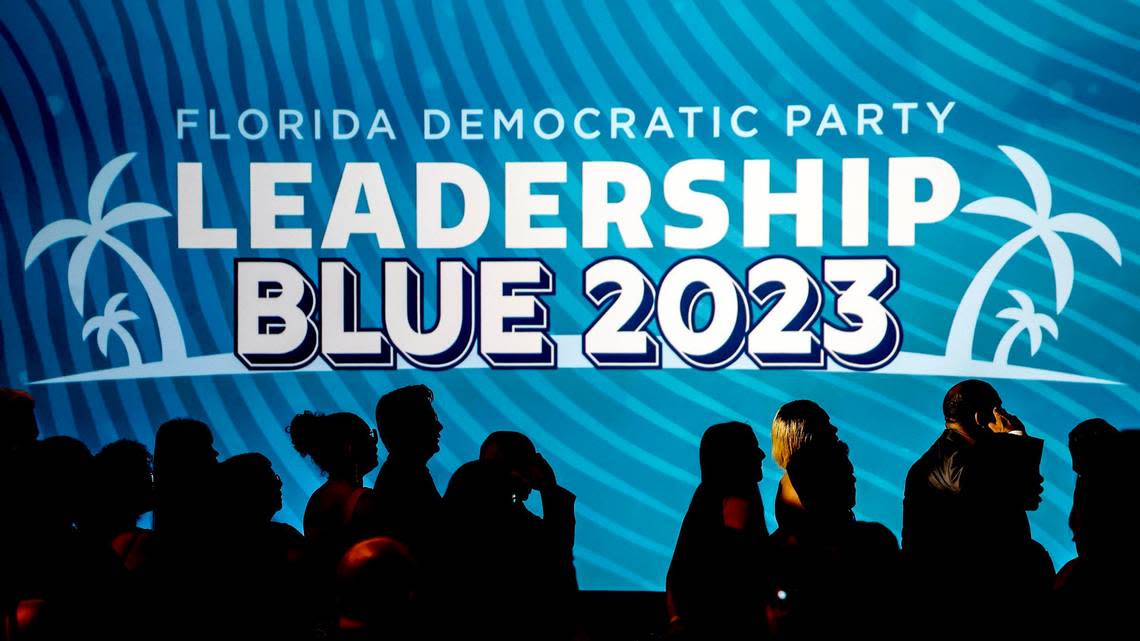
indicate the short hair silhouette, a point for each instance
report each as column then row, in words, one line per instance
column 508, row 447
column 183, row 443
column 730, row 455
column 968, row 399
column 1088, row 442
column 123, row 485
column 403, row 415
column 477, row 490
column 516, row 453
column 338, row 443
column 822, row 473
column 61, row 466
column 184, row 458
column 1096, row 592
column 18, row 417
column 248, row 488
column 797, row 423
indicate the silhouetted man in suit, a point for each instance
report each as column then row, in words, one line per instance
column 965, row 530
column 408, row 506
column 529, row 471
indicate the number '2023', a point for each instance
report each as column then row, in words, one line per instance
column 785, row 333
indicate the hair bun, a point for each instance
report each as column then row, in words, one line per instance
column 303, row 430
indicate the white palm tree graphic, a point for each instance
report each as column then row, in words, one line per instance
column 1025, row 319
column 97, row 230
column 960, row 342
column 111, row 322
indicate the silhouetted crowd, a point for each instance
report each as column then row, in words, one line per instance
column 400, row 561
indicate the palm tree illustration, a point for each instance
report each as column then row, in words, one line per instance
column 1025, row 319
column 111, row 322
column 96, row 231
column 960, row 341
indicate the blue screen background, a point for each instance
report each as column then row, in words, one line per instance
column 84, row 83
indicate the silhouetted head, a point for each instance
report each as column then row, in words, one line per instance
column 1009, row 467
column 341, row 444
column 824, row 478
column 183, row 450
column 377, row 581
column 1105, row 520
column 969, row 406
column 408, row 424
column 60, row 474
column 18, row 418
column 123, row 485
column 731, row 456
column 478, row 492
column 795, row 424
column 1089, row 443
column 248, row 489
column 515, row 452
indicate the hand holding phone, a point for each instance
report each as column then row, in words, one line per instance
column 1004, row 422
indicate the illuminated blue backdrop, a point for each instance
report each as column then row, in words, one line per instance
column 86, row 82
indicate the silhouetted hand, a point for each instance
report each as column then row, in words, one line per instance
column 541, row 474
column 1005, row 422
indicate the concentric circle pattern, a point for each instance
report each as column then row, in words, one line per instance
column 84, row 82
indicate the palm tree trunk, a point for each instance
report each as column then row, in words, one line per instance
column 169, row 327
column 1001, row 355
column 133, row 356
column 960, row 341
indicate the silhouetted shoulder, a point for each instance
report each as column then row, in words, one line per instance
column 875, row 536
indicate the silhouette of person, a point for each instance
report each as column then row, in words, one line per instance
column 795, row 424
column 831, row 572
column 1088, row 444
column 122, row 490
column 18, row 417
column 18, row 433
column 530, row 471
column 719, row 576
column 1097, row 591
column 182, row 557
column 258, row 582
column 965, row 527
column 337, row 514
column 61, row 580
column 548, row 542
column 377, row 589
column 500, row 572
column 184, row 458
column 408, row 506
column 344, row 448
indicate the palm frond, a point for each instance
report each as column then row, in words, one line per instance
column 1034, row 337
column 121, row 316
column 1002, row 207
column 130, row 212
column 1062, row 260
column 113, row 303
column 1090, row 228
column 53, row 233
column 102, row 336
column 1024, row 302
column 1010, row 313
column 101, row 186
column 1035, row 176
column 91, row 325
